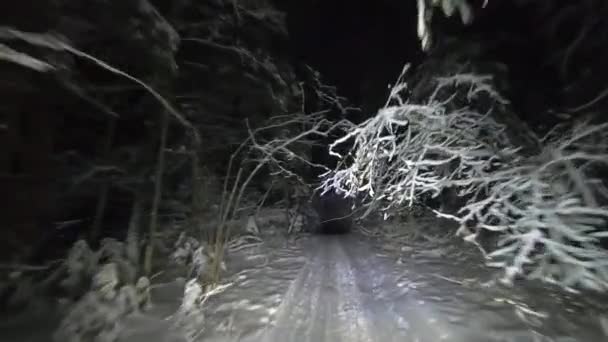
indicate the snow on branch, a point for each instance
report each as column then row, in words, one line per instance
column 549, row 209
column 410, row 149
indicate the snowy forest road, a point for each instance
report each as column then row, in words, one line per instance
column 354, row 288
column 338, row 296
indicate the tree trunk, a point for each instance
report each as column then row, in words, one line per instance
column 158, row 188
column 197, row 197
column 133, row 251
column 104, row 190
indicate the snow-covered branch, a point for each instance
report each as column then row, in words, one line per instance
column 549, row 209
column 409, row 149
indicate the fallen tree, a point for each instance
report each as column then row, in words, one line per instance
column 549, row 208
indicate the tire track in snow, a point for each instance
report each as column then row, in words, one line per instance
column 287, row 322
column 394, row 313
column 323, row 303
column 354, row 323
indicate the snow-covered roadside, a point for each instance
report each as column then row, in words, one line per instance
column 256, row 276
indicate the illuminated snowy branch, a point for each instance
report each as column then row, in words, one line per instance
column 549, row 209
column 408, row 149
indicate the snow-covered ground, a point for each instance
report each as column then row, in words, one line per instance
column 391, row 288
column 394, row 287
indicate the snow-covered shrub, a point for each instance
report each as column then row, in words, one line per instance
column 107, row 278
column 142, row 293
column 91, row 319
column 184, row 248
column 196, row 256
column 71, row 277
column 549, row 208
column 189, row 318
column 105, row 282
column 116, row 252
column 80, row 265
column 200, row 263
column 97, row 316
